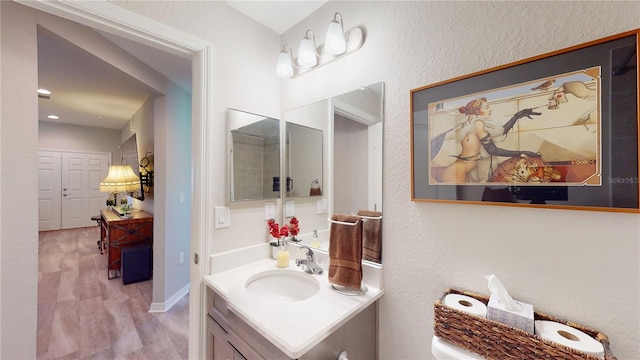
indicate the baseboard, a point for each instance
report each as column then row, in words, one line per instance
column 165, row 306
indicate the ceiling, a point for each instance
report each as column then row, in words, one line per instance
column 87, row 91
column 279, row 16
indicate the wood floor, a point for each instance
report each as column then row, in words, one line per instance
column 82, row 315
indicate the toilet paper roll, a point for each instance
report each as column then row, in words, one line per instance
column 569, row 337
column 466, row 304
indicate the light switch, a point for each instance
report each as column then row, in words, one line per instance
column 181, row 198
column 222, row 218
column 289, row 209
column 269, row 210
column 321, row 206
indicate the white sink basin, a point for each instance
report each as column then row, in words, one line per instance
column 283, row 285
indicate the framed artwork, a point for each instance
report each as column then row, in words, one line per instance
column 559, row 130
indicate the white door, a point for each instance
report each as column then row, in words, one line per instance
column 81, row 198
column 69, row 188
column 49, row 177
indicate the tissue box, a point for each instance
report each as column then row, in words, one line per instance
column 522, row 319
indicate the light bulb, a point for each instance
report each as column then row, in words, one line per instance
column 307, row 53
column 335, row 43
column 284, row 68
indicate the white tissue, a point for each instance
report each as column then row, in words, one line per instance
column 497, row 289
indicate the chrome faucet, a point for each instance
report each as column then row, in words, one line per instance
column 309, row 264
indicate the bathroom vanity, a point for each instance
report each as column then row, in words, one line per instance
column 257, row 311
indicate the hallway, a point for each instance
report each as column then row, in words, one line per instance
column 82, row 315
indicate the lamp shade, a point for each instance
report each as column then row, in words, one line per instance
column 335, row 42
column 121, row 178
column 284, row 68
column 307, row 53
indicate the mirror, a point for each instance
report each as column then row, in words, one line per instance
column 254, row 156
column 303, row 161
column 129, row 156
column 351, row 126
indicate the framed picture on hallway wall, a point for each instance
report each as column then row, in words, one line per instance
column 559, row 130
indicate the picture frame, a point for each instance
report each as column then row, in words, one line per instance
column 558, row 130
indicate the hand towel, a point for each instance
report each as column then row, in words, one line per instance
column 371, row 236
column 345, row 251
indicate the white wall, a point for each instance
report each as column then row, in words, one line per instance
column 244, row 78
column 79, row 138
column 18, row 155
column 176, row 135
column 578, row 265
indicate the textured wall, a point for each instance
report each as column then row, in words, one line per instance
column 244, row 78
column 575, row 264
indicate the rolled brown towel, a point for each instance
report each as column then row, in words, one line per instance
column 345, row 251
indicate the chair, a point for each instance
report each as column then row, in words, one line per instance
column 100, row 242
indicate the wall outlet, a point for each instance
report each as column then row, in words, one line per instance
column 289, row 209
column 181, row 258
column 181, row 198
column 269, row 210
column 321, row 206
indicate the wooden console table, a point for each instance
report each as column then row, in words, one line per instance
column 119, row 232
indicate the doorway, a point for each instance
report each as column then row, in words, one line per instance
column 68, row 193
column 118, row 20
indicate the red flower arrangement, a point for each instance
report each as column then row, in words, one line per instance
column 278, row 232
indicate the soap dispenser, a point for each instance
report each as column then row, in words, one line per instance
column 314, row 242
column 282, row 258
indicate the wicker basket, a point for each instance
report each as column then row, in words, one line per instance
column 494, row 340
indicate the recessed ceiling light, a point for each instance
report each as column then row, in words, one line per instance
column 54, row 117
column 44, row 92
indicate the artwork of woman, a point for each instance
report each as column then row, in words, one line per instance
column 473, row 135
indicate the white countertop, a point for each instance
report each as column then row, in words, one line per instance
column 293, row 327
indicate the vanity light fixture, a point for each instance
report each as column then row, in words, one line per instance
column 336, row 45
column 53, row 117
column 284, row 68
column 307, row 54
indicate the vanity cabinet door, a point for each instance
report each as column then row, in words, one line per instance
column 224, row 344
column 237, row 355
column 218, row 348
column 242, row 351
